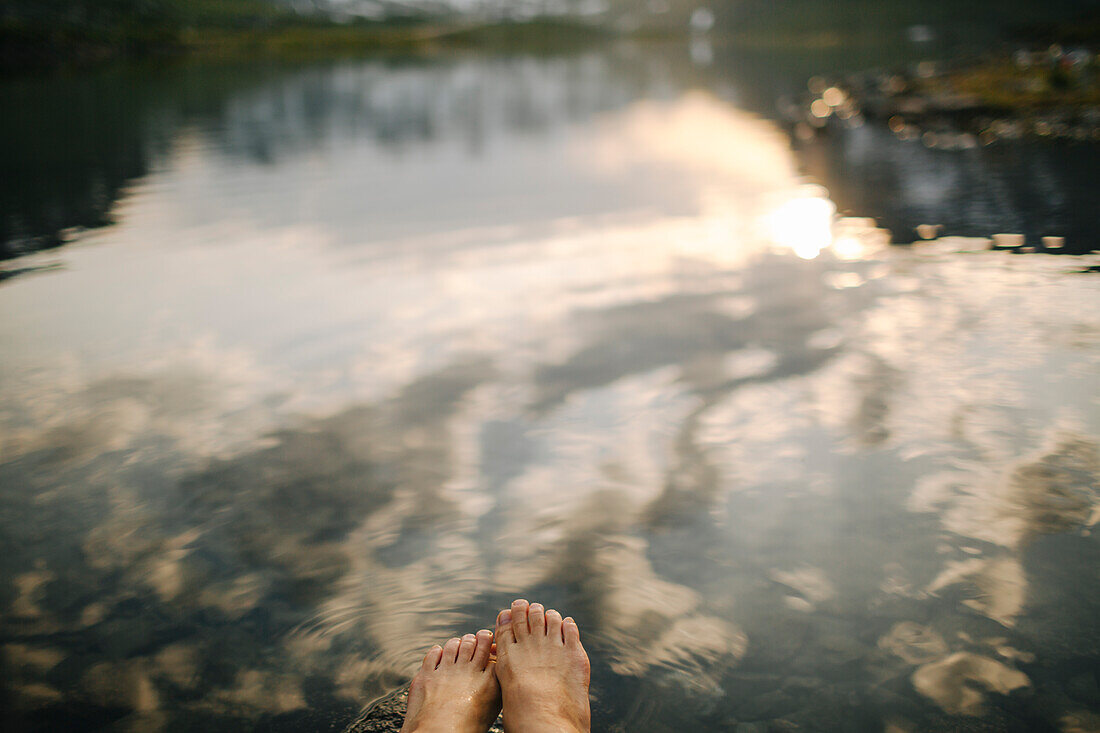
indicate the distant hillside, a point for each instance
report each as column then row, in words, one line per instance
column 789, row 14
column 37, row 33
column 47, row 33
column 809, row 13
column 43, row 33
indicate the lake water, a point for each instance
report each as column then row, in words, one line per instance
column 338, row 359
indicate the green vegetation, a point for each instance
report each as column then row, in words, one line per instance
column 59, row 33
column 1004, row 84
column 52, row 33
column 48, row 32
column 1043, row 74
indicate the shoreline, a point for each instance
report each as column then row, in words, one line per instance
column 1052, row 94
column 31, row 51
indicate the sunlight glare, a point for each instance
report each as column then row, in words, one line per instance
column 803, row 224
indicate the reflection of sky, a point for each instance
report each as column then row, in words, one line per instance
column 294, row 419
column 428, row 231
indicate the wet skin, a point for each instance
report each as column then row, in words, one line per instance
column 543, row 671
column 455, row 690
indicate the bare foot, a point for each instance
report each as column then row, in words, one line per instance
column 543, row 671
column 455, row 690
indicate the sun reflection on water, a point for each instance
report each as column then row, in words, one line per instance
column 803, row 223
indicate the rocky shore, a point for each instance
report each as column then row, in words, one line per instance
column 1052, row 93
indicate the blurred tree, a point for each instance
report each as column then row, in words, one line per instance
column 37, row 33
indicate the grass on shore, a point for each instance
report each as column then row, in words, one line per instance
column 310, row 40
column 1001, row 83
column 26, row 48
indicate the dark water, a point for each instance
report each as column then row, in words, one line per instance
column 1034, row 188
column 342, row 358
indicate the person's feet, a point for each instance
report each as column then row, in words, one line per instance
column 455, row 690
column 543, row 671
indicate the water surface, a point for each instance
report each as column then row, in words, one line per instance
column 342, row 358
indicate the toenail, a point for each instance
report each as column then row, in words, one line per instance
column 504, row 618
column 468, row 637
column 484, row 632
column 519, row 601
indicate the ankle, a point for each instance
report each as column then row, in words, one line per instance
column 543, row 725
column 439, row 724
column 532, row 716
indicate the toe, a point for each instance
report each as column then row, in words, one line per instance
column 450, row 652
column 431, row 659
column 536, row 619
column 466, row 648
column 553, row 625
column 484, row 647
column 519, row 619
column 504, row 635
column 571, row 633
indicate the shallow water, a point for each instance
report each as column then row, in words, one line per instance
column 342, row 358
